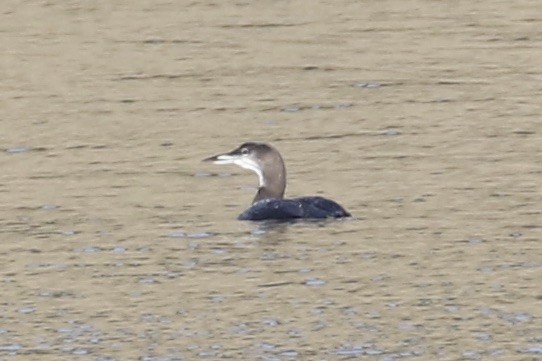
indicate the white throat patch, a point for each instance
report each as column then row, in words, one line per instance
column 243, row 162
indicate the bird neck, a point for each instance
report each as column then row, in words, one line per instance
column 274, row 181
column 268, row 193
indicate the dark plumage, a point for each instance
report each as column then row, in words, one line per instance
column 268, row 203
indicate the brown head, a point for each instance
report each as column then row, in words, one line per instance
column 265, row 161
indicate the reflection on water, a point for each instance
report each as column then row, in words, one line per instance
column 274, row 290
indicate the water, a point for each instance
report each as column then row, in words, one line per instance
column 118, row 243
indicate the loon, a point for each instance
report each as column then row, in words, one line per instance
column 267, row 163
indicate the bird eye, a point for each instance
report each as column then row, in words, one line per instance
column 244, row 151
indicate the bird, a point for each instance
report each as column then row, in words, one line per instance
column 269, row 203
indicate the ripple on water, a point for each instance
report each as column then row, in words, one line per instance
column 55, row 294
column 270, row 322
column 13, row 347
column 472, row 355
column 531, row 350
column 516, row 317
column 48, row 266
column 118, row 249
column 43, row 346
column 242, row 329
column 79, row 351
column 200, row 235
column 177, row 234
column 16, row 150
column 27, row 310
column 366, row 85
column 49, row 207
column 266, row 346
column 289, row 353
column 401, row 355
column 483, row 336
column 258, row 231
column 89, row 249
column 195, row 235
column 315, row 282
column 391, row 132
column 358, row 350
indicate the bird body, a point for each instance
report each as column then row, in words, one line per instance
column 269, row 202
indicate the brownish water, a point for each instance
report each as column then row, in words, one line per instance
column 423, row 118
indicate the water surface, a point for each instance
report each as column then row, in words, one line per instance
column 422, row 119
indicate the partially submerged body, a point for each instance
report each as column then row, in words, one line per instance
column 285, row 209
column 268, row 203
